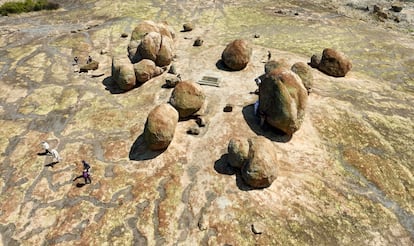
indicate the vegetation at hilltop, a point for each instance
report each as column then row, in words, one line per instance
column 27, row 6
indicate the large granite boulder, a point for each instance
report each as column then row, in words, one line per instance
column 334, row 63
column 157, row 48
column 132, row 51
column 166, row 30
column 187, row 97
column 150, row 45
column 238, row 151
column 282, row 100
column 143, row 28
column 305, row 73
column 123, row 73
column 145, row 70
column 261, row 169
column 166, row 52
column 160, row 127
column 237, row 54
column 154, row 41
column 273, row 64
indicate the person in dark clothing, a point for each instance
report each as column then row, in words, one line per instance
column 86, row 165
column 86, row 176
column 89, row 60
column 85, row 173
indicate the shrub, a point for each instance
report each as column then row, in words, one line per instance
column 27, row 6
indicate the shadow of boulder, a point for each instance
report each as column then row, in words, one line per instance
column 222, row 66
column 267, row 130
column 112, row 86
column 223, row 167
column 140, row 152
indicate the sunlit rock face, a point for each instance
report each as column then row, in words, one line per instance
column 237, row 54
column 282, row 100
column 160, row 127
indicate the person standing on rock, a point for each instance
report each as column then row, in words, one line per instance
column 45, row 146
column 55, row 155
column 258, row 82
column 86, row 175
column 86, row 165
column 89, row 60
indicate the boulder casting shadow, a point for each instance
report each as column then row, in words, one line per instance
column 223, row 167
column 140, row 152
column 267, row 130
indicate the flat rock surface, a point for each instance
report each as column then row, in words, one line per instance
column 346, row 177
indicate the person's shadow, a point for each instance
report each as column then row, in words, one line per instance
column 223, row 167
column 52, row 164
column 266, row 130
column 139, row 150
column 42, row 153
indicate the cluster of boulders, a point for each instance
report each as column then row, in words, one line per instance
column 256, row 159
column 150, row 51
column 389, row 13
column 283, row 94
column 381, row 11
column 186, row 100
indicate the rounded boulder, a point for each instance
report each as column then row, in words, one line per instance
column 160, row 127
column 334, row 63
column 238, row 152
column 261, row 169
column 305, row 74
column 123, row 73
column 150, row 46
column 166, row 52
column 237, row 54
column 282, row 100
column 145, row 70
column 143, row 28
column 187, row 98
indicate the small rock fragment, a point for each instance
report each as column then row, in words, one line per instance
column 201, row 121
column 193, row 130
column 172, row 69
column 257, row 228
column 396, row 7
column 228, row 108
column 188, row 27
column 172, row 81
column 198, row 42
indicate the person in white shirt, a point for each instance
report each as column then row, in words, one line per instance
column 45, row 146
column 55, row 155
